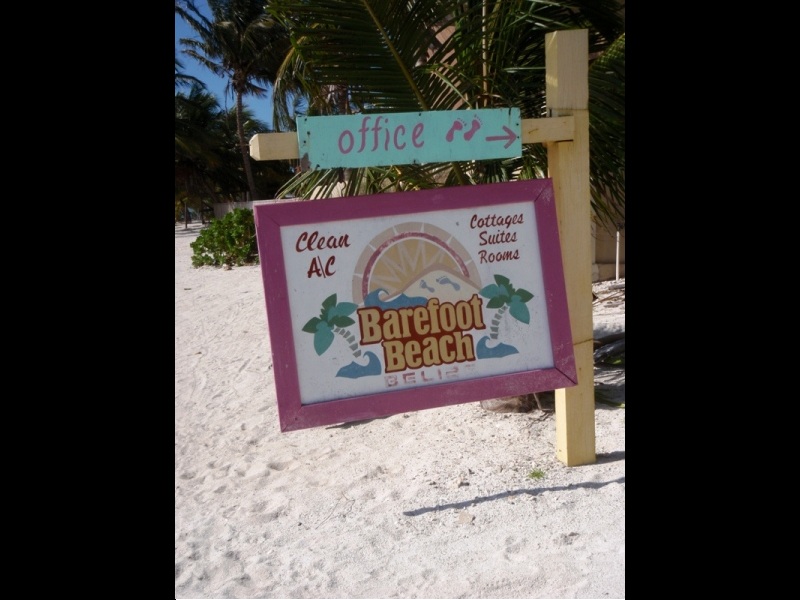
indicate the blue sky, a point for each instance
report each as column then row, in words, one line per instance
column 260, row 107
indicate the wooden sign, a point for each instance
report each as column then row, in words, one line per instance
column 405, row 138
column 398, row 302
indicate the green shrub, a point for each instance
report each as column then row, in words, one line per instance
column 228, row 241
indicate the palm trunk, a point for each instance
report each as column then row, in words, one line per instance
column 245, row 149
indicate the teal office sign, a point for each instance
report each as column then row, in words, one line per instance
column 409, row 138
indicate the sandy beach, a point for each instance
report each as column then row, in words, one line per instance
column 451, row 502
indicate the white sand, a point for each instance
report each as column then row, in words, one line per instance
column 436, row 503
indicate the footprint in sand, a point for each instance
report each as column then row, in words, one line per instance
column 476, row 124
column 458, row 125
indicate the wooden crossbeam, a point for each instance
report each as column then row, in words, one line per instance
column 284, row 146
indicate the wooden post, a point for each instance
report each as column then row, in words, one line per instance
column 565, row 133
column 567, row 72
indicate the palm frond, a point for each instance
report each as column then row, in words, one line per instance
column 607, row 135
column 399, row 56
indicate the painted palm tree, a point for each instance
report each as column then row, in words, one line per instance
column 334, row 318
column 504, row 297
column 243, row 44
column 401, row 56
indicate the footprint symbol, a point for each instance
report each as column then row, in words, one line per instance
column 476, row 124
column 425, row 286
column 458, row 125
column 446, row 280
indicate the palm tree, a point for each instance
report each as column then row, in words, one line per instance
column 334, row 317
column 243, row 44
column 207, row 159
column 199, row 144
column 502, row 295
column 401, row 56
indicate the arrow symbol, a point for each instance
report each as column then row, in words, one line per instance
column 510, row 136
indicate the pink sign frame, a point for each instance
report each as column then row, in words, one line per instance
column 533, row 228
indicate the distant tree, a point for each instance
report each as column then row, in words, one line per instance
column 208, row 166
column 243, row 44
column 199, row 145
column 269, row 175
